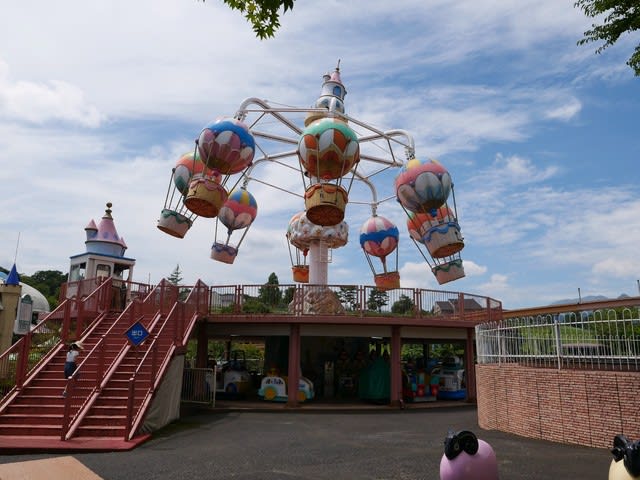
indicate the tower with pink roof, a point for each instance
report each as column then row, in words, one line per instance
column 104, row 255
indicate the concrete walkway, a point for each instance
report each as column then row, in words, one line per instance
column 330, row 445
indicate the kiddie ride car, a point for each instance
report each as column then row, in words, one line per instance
column 233, row 379
column 273, row 388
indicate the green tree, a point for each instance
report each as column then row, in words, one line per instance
column 402, row 305
column 619, row 16
column 176, row 279
column 176, row 276
column 48, row 283
column 270, row 293
column 288, row 295
column 377, row 300
column 263, row 15
column 348, row 296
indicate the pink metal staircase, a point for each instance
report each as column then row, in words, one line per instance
column 114, row 384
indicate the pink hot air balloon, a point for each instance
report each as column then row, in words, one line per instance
column 239, row 211
column 226, row 145
column 423, row 186
column 379, row 237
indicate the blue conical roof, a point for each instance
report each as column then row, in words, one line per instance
column 13, row 278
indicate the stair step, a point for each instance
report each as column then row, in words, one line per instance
column 100, row 431
column 108, row 410
column 30, row 419
column 28, row 409
column 31, row 430
column 104, row 420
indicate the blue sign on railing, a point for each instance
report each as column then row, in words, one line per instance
column 137, row 334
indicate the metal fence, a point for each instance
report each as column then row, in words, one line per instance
column 592, row 339
column 307, row 299
column 199, row 386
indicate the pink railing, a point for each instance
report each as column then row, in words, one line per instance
column 172, row 333
column 147, row 311
column 353, row 300
column 67, row 321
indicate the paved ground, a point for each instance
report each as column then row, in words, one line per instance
column 370, row 444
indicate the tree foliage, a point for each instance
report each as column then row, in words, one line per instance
column 619, row 16
column 348, row 296
column 176, row 276
column 270, row 293
column 403, row 305
column 377, row 300
column 48, row 283
column 263, row 15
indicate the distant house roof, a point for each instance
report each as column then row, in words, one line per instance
column 451, row 305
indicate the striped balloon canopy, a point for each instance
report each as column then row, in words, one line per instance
column 379, row 236
column 423, row 186
column 239, row 211
column 186, row 167
column 328, row 149
column 226, row 145
column 419, row 223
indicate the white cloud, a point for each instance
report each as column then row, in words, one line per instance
column 472, row 269
column 97, row 102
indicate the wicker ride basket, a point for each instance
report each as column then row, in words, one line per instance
column 325, row 203
column 174, row 223
column 205, row 197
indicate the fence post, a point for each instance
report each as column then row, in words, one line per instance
column 66, row 321
column 461, row 305
column 132, row 391
column 21, row 370
column 556, row 332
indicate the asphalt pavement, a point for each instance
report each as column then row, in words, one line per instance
column 294, row 444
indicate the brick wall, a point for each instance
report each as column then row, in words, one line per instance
column 583, row 407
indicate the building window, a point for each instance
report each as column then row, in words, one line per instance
column 103, row 271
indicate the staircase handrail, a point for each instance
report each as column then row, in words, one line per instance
column 27, row 356
column 76, row 407
column 195, row 304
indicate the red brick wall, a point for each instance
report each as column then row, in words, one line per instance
column 585, row 407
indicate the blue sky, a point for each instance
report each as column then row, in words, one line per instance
column 99, row 99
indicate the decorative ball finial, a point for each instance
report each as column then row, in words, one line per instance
column 107, row 212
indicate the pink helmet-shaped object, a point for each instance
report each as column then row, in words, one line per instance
column 467, row 458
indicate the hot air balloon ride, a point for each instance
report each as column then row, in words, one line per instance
column 379, row 238
column 298, row 251
column 237, row 213
column 423, row 186
column 440, row 233
column 328, row 150
column 226, row 147
column 304, row 235
column 175, row 219
column 422, row 189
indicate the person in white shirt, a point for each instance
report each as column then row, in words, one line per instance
column 70, row 363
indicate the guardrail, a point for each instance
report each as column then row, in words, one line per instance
column 594, row 335
column 306, row 299
column 171, row 334
column 199, row 386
